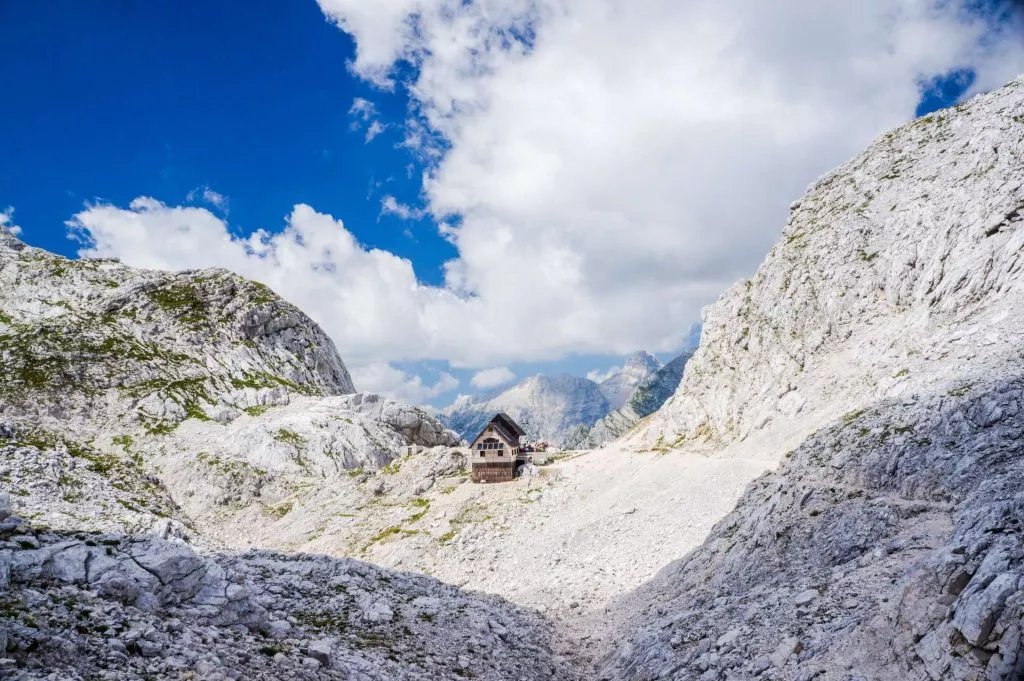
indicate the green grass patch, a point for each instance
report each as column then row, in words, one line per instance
column 183, row 300
column 289, row 437
column 852, row 416
column 423, row 505
column 280, row 510
column 389, row 533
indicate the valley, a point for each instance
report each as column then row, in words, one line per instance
column 193, row 487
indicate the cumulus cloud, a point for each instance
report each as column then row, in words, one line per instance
column 603, row 168
column 7, row 221
column 387, row 380
column 615, row 165
column 492, row 378
column 367, row 299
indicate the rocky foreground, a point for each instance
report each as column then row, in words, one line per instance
column 888, row 546
column 101, row 606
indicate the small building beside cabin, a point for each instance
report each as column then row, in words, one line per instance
column 496, row 452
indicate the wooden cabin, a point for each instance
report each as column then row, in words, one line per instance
column 496, row 452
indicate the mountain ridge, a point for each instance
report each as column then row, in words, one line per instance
column 553, row 408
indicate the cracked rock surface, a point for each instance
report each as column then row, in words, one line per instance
column 97, row 606
column 888, row 546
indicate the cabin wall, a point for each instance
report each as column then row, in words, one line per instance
column 491, row 455
column 493, row 465
column 494, row 472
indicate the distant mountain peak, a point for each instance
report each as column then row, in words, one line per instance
column 619, row 386
column 553, row 407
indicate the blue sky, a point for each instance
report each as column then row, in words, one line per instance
column 109, row 101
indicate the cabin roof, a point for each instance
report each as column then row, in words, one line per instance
column 510, row 424
column 504, row 424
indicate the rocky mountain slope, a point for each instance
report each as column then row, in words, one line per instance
column 894, row 271
column 101, row 606
column 646, row 398
column 206, row 377
column 546, row 407
column 889, row 320
column 619, row 387
column 887, row 546
column 104, row 346
column 560, row 409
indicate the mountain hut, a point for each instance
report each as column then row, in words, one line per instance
column 496, row 452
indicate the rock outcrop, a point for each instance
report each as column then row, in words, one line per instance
column 889, row 546
column 895, row 272
column 102, row 346
column 882, row 337
column 100, row 606
column 62, row 483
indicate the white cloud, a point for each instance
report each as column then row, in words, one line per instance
column 387, row 380
column 376, row 128
column 611, row 176
column 7, row 221
column 368, row 299
column 364, row 112
column 492, row 378
column 362, row 109
column 616, row 165
column 389, row 205
column 598, row 376
column 209, row 197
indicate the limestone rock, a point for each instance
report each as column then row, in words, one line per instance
column 646, row 399
column 546, row 407
column 879, row 347
column 907, row 255
column 149, row 608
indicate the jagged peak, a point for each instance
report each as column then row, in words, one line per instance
column 642, row 359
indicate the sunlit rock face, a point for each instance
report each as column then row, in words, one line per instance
column 878, row 350
column 904, row 259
